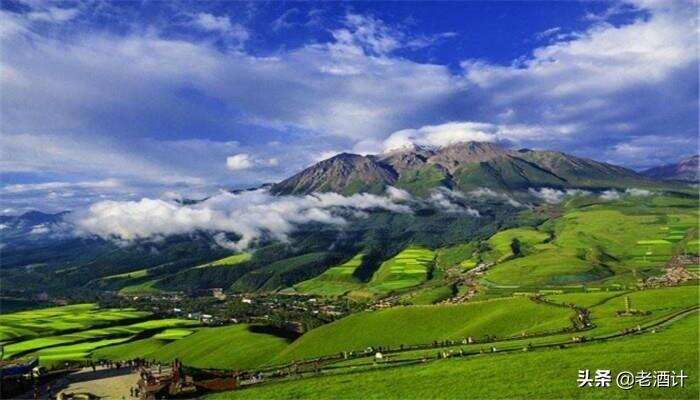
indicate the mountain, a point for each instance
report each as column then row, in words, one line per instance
column 32, row 224
column 688, row 169
column 345, row 173
column 464, row 166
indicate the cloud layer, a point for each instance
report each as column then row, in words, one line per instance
column 189, row 100
column 250, row 214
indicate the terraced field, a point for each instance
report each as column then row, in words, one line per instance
column 335, row 281
column 52, row 321
column 407, row 269
column 618, row 242
column 72, row 333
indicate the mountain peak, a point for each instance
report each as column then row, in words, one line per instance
column 341, row 173
column 463, row 165
column 687, row 169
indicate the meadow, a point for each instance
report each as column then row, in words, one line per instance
column 614, row 243
column 72, row 333
column 425, row 324
column 55, row 320
column 228, row 261
column 227, row 347
column 512, row 375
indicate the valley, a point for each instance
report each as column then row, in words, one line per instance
column 558, row 288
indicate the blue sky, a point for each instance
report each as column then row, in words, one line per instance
column 121, row 100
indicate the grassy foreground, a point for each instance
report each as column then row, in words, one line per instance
column 542, row 374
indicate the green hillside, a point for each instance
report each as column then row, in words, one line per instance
column 409, row 268
column 335, row 281
column 544, row 374
column 228, row 261
column 424, row 324
column 621, row 241
column 55, row 320
column 227, row 347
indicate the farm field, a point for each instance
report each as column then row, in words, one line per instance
column 72, row 333
column 612, row 243
column 55, row 320
column 335, row 281
column 407, row 269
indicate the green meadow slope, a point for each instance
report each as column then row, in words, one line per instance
column 424, row 324
column 55, row 320
column 550, row 373
column 617, row 242
column 228, row 347
column 335, row 281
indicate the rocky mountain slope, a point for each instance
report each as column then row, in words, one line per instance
column 463, row 166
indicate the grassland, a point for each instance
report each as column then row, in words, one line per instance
column 523, row 240
column 130, row 350
column 128, row 275
column 335, row 281
column 228, row 347
column 544, row 374
column 229, row 261
column 72, row 333
column 460, row 254
column 55, row 320
column 617, row 243
column 424, row 324
column 112, row 332
column 409, row 268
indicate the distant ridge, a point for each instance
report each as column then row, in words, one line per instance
column 465, row 166
column 687, row 169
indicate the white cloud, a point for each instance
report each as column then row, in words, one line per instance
column 209, row 22
column 53, row 14
column 548, row 32
column 486, row 192
column 249, row 214
column 549, row 195
column 397, row 194
column 611, row 194
column 604, row 78
column 72, row 155
column 455, row 132
column 638, row 192
column 27, row 187
column 444, row 199
column 555, row 196
column 612, row 90
column 239, row 162
column 39, row 229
